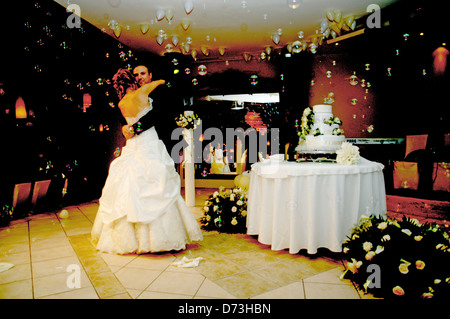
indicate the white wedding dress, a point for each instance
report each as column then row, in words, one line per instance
column 141, row 209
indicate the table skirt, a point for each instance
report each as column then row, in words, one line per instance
column 303, row 209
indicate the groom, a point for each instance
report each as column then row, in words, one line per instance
column 143, row 76
column 160, row 116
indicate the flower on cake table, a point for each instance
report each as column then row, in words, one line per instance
column 348, row 154
column 187, row 121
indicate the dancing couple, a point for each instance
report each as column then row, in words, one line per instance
column 141, row 209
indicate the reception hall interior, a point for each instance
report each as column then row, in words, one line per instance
column 367, row 220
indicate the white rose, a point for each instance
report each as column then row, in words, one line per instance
column 206, row 209
column 407, row 232
column 216, row 194
column 382, row 225
column 367, row 246
column 386, row 238
column 234, row 222
column 370, row 255
column 234, row 209
column 239, row 202
column 348, row 154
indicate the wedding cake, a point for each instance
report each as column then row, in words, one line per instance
column 320, row 131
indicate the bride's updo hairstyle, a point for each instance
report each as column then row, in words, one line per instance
column 122, row 80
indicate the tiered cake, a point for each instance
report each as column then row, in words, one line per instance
column 320, row 131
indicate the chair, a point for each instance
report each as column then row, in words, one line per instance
column 415, row 142
column 242, row 163
column 39, row 192
column 21, row 197
column 406, row 172
column 441, row 177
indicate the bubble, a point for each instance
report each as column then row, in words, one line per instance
column 123, row 56
column 354, row 101
column 370, row 128
column 328, row 74
column 194, row 81
column 112, row 24
column 64, row 214
column 254, row 79
column 202, row 69
column 187, row 71
column 297, row 47
column 353, row 79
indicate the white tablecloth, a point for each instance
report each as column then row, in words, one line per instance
column 312, row 205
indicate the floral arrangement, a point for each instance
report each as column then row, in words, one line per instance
column 348, row 154
column 333, row 120
column 307, row 121
column 226, row 211
column 337, row 131
column 413, row 258
column 187, row 121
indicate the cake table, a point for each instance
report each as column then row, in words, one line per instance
column 312, row 205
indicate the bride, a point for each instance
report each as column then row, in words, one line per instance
column 141, row 209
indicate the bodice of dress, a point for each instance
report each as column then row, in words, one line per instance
column 131, row 120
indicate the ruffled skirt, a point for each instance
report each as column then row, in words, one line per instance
column 141, row 209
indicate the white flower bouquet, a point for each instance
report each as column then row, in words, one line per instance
column 348, row 154
column 226, row 211
column 412, row 259
column 187, row 121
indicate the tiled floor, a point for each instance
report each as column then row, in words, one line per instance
column 54, row 258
